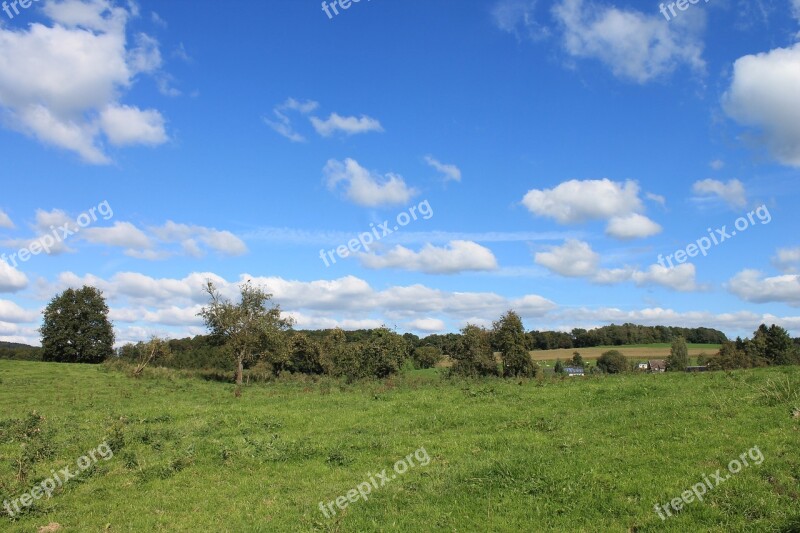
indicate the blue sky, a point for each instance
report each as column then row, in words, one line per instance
column 557, row 150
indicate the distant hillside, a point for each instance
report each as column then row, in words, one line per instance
column 19, row 352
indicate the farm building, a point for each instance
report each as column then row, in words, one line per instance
column 657, row 365
column 573, row 371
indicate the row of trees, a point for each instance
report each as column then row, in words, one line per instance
column 252, row 332
column 623, row 335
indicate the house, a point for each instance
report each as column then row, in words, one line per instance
column 573, row 371
column 642, row 366
column 657, row 365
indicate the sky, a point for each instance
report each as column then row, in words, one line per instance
column 419, row 165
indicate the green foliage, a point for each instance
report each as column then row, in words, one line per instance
column 473, row 355
column 508, row 337
column 426, row 356
column 76, row 328
column 612, row 362
column 577, row 360
column 559, row 367
column 769, row 346
column 248, row 328
column 306, row 355
column 678, row 358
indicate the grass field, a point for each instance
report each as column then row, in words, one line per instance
column 634, row 351
column 594, row 454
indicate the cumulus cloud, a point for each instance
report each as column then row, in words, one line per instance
column 122, row 234
column 573, row 259
column 190, row 236
column 577, row 201
column 732, row 192
column 455, row 257
column 88, row 66
column 11, row 312
column 787, row 259
column 11, row 279
column 365, row 188
column 347, row 125
column 765, row 94
column 633, row 226
column 427, row 325
column 450, row 172
column 635, row 46
column 753, row 286
column 5, row 221
column 576, row 259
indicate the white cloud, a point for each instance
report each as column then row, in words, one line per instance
column 573, row 259
column 122, row 234
column 364, row 188
column 718, row 164
column 223, row 242
column 82, row 68
column 578, row 201
column 732, row 192
column 451, row 172
column 657, row 198
column 347, row 125
column 283, row 124
column 788, row 259
column 457, row 256
column 11, row 312
column 11, row 279
column 577, row 259
column 635, row 46
column 5, row 220
column 427, row 325
column 518, row 17
column 681, row 278
column 125, row 125
column 752, row 286
column 765, row 94
column 633, row 226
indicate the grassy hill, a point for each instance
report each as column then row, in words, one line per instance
column 593, row 454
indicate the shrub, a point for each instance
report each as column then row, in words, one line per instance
column 612, row 362
column 426, row 356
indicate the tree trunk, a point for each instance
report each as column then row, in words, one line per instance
column 239, row 370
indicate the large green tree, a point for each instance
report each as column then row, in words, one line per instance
column 678, row 358
column 249, row 328
column 76, row 327
column 612, row 362
column 473, row 354
column 508, row 337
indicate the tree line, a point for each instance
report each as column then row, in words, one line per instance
column 251, row 334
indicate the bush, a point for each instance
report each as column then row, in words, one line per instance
column 612, row 362
column 426, row 356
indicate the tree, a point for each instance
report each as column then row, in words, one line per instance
column 612, row 362
column 678, row 358
column 155, row 348
column 76, row 328
column 559, row 367
column 426, row 356
column 509, row 339
column 305, row 356
column 247, row 327
column 577, row 360
column 473, row 353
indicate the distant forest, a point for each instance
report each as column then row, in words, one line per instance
column 203, row 351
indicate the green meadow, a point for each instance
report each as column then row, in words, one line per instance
column 581, row 454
